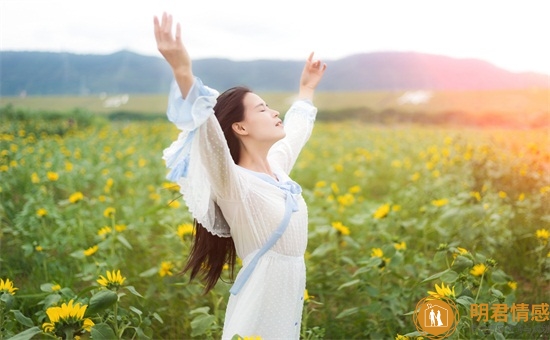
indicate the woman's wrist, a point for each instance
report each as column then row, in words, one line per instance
column 306, row 93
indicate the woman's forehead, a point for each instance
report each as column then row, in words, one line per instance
column 252, row 100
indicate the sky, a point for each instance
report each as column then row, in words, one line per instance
column 513, row 35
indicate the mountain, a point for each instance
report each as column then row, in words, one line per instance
column 48, row 73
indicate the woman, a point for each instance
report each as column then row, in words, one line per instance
column 232, row 161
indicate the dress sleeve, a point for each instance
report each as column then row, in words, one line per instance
column 298, row 123
column 199, row 160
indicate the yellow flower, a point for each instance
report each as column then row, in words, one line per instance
column 38, row 248
column 67, row 316
column 478, row 269
column 174, row 204
column 401, row 337
column 443, row 291
column 166, row 268
column 120, row 227
column 7, row 287
column 41, row 212
column 382, row 211
column 415, row 177
column 377, row 252
column 52, row 176
column 513, row 285
column 184, row 229
column 335, row 188
column 321, row 184
column 342, row 229
column 460, row 251
column 56, row 288
column 542, row 234
column 34, row 178
column 440, row 202
column 104, row 231
column 355, row 189
column 307, row 297
column 521, row 197
column 90, row 251
column 108, row 212
column 113, row 280
column 502, row 194
column 476, row 195
column 77, row 196
column 400, row 246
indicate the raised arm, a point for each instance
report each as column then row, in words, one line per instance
column 311, row 76
column 175, row 53
column 300, row 117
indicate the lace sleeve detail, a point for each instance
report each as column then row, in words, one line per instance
column 200, row 161
column 298, row 122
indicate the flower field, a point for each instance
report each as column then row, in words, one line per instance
column 93, row 236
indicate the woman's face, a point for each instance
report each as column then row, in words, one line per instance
column 260, row 122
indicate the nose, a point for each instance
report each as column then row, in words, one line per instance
column 275, row 113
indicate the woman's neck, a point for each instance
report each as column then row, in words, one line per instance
column 256, row 162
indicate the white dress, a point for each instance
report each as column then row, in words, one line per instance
column 252, row 206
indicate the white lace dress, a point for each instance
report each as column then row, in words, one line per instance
column 251, row 206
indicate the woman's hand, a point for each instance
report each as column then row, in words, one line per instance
column 175, row 53
column 311, row 76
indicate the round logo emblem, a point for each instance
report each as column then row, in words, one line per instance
column 436, row 318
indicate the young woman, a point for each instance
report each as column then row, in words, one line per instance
column 232, row 161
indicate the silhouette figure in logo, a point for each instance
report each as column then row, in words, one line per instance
column 432, row 318
column 439, row 323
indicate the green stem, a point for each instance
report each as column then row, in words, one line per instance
column 119, row 336
column 480, row 285
column 113, row 238
column 1, row 322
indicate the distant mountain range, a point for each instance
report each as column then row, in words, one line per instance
column 48, row 73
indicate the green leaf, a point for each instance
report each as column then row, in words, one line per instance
column 322, row 250
column 465, row 301
column 347, row 312
column 46, row 287
column 101, row 301
column 461, row 262
column 149, row 272
column 27, row 334
column 201, row 324
column 8, row 299
column 133, row 290
column 135, row 310
column 124, row 241
column 200, row 310
column 350, row 283
column 102, row 331
column 22, row 319
column 498, row 276
column 156, row 316
column 141, row 334
column 449, row 277
column 434, row 276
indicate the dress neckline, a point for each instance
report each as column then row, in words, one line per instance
column 264, row 176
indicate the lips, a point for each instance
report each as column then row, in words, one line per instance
column 279, row 123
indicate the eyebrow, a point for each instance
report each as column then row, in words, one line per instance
column 261, row 104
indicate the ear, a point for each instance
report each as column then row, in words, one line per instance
column 239, row 129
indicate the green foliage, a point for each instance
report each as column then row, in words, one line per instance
column 393, row 211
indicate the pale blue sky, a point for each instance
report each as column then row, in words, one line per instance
column 509, row 34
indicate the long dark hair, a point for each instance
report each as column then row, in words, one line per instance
column 209, row 253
